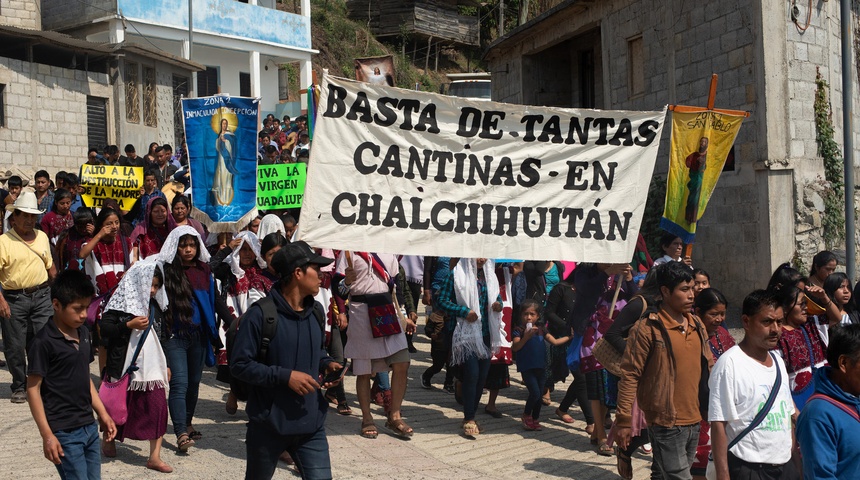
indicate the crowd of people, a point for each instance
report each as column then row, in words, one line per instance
column 156, row 299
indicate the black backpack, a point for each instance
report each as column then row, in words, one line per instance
column 269, row 328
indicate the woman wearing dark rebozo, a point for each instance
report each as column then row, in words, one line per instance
column 222, row 183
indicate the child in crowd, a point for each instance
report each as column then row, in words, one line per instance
column 701, row 281
column 147, row 192
column 61, row 394
column 134, row 315
column 838, row 289
column 529, row 343
column 8, row 197
column 69, row 243
column 59, row 219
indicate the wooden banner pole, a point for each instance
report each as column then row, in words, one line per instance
column 712, row 95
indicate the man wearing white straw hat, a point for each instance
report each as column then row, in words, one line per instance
column 26, row 268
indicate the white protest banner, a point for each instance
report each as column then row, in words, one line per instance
column 400, row 171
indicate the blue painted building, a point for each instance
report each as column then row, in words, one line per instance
column 241, row 43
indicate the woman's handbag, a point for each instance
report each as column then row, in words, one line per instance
column 435, row 324
column 114, row 395
column 573, row 352
column 384, row 316
column 608, row 356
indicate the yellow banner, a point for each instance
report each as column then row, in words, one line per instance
column 101, row 182
column 700, row 144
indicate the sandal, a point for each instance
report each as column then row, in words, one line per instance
column 623, row 464
column 546, row 400
column 605, row 450
column 331, row 398
column 470, row 428
column 368, row 430
column 493, row 413
column 195, row 435
column 184, row 442
column 343, row 409
column 399, row 428
column 563, row 416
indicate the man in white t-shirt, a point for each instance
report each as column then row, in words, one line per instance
column 740, row 383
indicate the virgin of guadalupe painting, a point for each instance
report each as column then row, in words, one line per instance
column 225, row 169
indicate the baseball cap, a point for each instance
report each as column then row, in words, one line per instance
column 296, row 255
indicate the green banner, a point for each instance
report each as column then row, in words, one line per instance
column 281, row 186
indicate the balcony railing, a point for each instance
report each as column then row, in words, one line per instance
column 227, row 18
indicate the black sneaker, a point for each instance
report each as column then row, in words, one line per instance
column 19, row 397
column 425, row 382
column 449, row 389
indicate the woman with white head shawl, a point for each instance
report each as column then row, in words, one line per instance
column 135, row 314
column 239, row 269
column 269, row 224
column 191, row 325
column 471, row 294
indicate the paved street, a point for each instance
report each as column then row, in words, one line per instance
column 437, row 451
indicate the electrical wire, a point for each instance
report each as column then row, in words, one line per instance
column 808, row 18
column 125, row 22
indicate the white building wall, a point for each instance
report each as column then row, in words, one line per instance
column 229, row 62
column 46, row 115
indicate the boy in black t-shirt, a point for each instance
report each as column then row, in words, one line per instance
column 62, row 397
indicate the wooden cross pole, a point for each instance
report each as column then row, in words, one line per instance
column 712, row 96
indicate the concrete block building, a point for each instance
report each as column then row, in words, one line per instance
column 61, row 95
column 644, row 54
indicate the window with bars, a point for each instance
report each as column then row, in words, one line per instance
column 2, row 105
column 207, row 82
column 132, row 93
column 244, row 84
column 97, row 130
column 636, row 66
column 150, row 106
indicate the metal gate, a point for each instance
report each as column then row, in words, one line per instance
column 180, row 91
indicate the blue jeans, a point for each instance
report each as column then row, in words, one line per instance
column 185, row 356
column 82, row 456
column 383, row 381
column 534, row 380
column 263, row 447
column 674, row 451
column 475, row 372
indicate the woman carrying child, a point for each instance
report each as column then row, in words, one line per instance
column 134, row 314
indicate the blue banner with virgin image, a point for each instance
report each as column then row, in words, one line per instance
column 221, row 133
